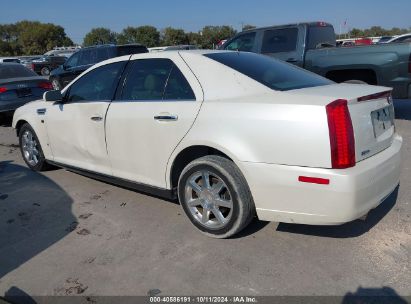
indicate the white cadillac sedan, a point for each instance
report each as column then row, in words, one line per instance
column 231, row 134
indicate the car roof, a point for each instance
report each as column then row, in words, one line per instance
column 316, row 23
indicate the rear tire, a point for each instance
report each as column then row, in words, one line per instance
column 215, row 196
column 45, row 71
column 31, row 149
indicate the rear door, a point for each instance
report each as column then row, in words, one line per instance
column 154, row 109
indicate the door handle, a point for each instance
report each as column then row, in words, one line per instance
column 96, row 118
column 166, row 117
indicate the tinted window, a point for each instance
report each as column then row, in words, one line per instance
column 102, row 54
column 15, row 71
column 177, row 87
column 86, row 57
column 98, row 84
column 147, row 79
column 320, row 36
column 243, row 43
column 130, row 49
column 73, row 60
column 404, row 39
column 280, row 40
column 272, row 73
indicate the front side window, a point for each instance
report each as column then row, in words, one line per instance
column 244, row 43
column 73, row 61
column 98, row 84
column 273, row 73
column 280, row 40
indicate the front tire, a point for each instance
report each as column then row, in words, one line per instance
column 31, row 149
column 215, row 196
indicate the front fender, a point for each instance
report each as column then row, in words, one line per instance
column 28, row 114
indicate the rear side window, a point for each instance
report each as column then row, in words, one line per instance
column 15, row 71
column 244, row 43
column 102, row 54
column 177, row 87
column 280, row 40
column 98, row 84
column 320, row 36
column 273, row 73
column 156, row 80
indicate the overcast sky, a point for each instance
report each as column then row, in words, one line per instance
column 79, row 16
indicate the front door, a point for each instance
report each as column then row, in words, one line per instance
column 76, row 126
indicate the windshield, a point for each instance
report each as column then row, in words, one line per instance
column 273, row 73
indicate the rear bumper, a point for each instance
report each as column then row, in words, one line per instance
column 352, row 193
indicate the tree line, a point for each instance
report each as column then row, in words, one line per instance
column 374, row 31
column 150, row 36
column 33, row 37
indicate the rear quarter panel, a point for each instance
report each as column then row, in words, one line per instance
column 258, row 129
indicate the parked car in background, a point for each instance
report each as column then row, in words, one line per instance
column 25, row 60
column 231, row 134
column 400, row 39
column 46, row 64
column 385, row 39
column 19, row 85
column 86, row 57
column 11, row 59
column 312, row 46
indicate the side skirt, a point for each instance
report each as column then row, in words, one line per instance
column 124, row 183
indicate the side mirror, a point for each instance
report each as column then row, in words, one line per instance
column 64, row 66
column 52, row 96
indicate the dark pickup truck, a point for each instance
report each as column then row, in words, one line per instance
column 313, row 46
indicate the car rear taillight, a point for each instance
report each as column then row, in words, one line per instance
column 341, row 135
column 45, row 85
column 2, row 90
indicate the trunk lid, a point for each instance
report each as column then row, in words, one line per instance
column 371, row 110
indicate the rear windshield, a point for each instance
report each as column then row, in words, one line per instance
column 273, row 73
column 15, row 71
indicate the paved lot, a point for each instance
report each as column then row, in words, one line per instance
column 62, row 234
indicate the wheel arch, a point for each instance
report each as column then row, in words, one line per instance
column 19, row 124
column 186, row 155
